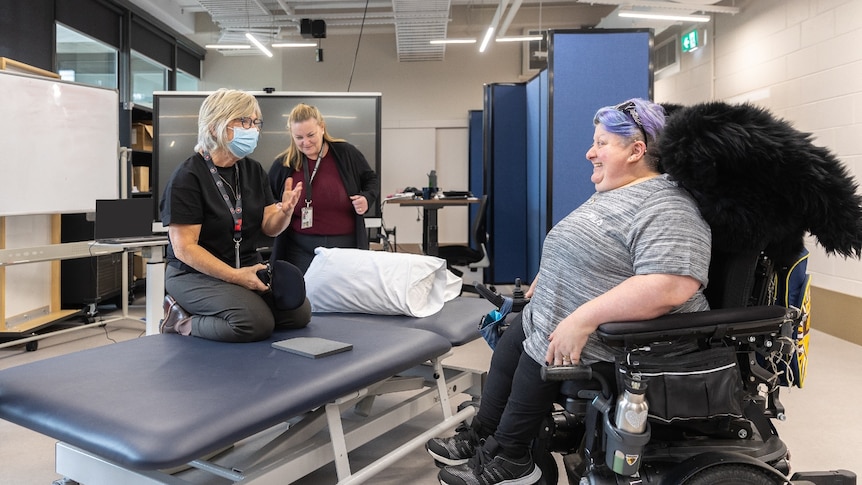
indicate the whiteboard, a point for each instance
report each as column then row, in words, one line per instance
column 59, row 145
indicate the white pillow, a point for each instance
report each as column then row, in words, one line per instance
column 380, row 283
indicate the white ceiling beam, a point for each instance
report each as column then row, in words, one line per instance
column 495, row 22
column 285, row 7
column 510, row 16
column 692, row 7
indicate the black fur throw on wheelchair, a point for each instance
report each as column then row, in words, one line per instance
column 760, row 183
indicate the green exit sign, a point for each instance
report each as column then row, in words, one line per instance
column 690, row 41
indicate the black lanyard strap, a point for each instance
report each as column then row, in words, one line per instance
column 235, row 209
column 311, row 179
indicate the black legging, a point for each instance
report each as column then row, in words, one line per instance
column 515, row 399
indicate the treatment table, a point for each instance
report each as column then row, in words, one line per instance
column 135, row 411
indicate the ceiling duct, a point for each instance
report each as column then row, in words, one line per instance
column 264, row 19
column 417, row 22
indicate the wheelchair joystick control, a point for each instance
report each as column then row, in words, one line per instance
column 518, row 292
column 518, row 299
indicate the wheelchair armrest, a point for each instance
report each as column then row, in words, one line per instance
column 726, row 322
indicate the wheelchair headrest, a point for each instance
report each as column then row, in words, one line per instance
column 760, row 183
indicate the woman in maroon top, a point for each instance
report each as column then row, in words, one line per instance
column 339, row 187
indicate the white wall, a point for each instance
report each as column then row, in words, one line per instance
column 424, row 108
column 800, row 59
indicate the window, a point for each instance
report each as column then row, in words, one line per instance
column 85, row 60
column 186, row 82
column 534, row 53
column 147, row 76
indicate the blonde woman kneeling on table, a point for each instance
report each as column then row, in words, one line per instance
column 218, row 207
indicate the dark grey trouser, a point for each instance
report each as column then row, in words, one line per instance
column 227, row 312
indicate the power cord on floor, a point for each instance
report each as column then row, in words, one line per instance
column 385, row 235
column 105, row 329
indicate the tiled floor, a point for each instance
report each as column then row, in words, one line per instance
column 823, row 429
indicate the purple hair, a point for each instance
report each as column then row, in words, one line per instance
column 633, row 119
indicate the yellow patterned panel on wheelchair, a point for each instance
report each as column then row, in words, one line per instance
column 794, row 290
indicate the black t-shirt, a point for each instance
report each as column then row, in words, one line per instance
column 191, row 197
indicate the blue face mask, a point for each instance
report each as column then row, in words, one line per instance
column 244, row 141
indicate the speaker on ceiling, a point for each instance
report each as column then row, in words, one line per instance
column 312, row 29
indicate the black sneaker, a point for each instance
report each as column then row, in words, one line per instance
column 455, row 450
column 488, row 467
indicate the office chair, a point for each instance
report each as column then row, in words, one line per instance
column 465, row 255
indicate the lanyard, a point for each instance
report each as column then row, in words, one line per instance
column 311, row 179
column 234, row 209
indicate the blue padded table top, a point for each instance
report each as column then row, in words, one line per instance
column 160, row 401
column 458, row 321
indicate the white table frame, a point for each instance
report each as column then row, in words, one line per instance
column 154, row 251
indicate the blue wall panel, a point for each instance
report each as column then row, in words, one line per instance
column 536, row 136
column 476, row 171
column 537, row 153
column 588, row 69
column 505, row 151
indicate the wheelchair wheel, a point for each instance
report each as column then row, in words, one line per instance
column 545, row 461
column 732, row 474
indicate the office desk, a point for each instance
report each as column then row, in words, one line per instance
column 154, row 253
column 153, row 250
column 429, row 217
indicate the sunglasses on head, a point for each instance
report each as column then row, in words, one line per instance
column 630, row 109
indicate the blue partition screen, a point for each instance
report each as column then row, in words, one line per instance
column 537, row 169
column 476, row 172
column 505, row 171
column 589, row 69
column 536, row 135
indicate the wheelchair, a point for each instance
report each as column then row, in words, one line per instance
column 712, row 385
column 713, row 378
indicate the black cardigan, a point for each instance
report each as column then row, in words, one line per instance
column 356, row 175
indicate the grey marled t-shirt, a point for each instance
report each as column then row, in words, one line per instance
column 653, row 227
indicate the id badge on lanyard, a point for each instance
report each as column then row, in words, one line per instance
column 307, row 214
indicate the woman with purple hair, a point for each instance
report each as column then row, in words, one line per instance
column 637, row 249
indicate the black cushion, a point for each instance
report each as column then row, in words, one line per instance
column 459, row 255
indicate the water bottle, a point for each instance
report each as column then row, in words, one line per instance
column 432, row 180
column 632, row 407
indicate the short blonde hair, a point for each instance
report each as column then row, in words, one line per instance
column 217, row 111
